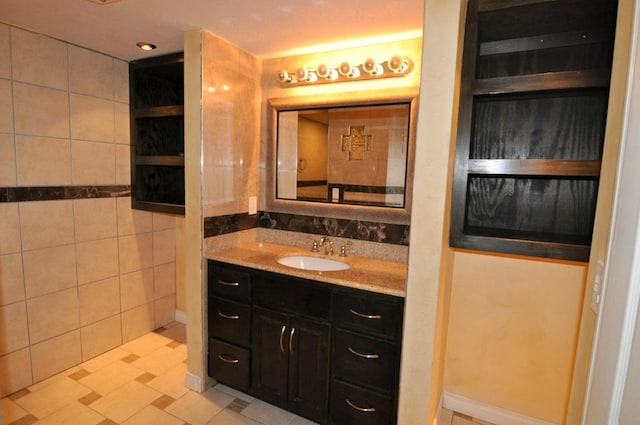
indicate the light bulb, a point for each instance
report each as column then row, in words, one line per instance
column 398, row 64
column 323, row 71
column 369, row 65
column 345, row 69
column 283, row 76
column 302, row 74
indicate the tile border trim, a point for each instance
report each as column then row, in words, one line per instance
column 55, row 193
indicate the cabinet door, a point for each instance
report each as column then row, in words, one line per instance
column 270, row 345
column 308, row 348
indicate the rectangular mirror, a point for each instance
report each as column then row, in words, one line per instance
column 337, row 156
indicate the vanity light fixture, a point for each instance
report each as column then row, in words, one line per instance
column 396, row 66
column 144, row 45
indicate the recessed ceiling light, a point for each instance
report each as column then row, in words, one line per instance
column 145, row 45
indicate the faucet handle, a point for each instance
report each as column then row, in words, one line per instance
column 314, row 246
column 343, row 251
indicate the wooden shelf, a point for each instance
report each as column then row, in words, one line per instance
column 166, row 160
column 159, row 111
column 534, row 167
column 160, row 207
column 542, row 82
column 532, row 116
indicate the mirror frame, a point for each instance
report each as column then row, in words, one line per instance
column 347, row 211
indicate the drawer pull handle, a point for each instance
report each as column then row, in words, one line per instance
column 228, row 359
column 366, row 316
column 228, row 316
column 284, row 328
column 222, row 282
column 366, row 356
column 293, row 331
column 358, row 408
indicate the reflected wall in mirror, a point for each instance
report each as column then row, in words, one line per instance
column 350, row 155
column 345, row 155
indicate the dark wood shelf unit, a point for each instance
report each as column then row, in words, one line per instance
column 532, row 116
column 157, row 133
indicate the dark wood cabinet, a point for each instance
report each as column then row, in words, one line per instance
column 330, row 354
column 156, row 87
column 365, row 361
column 291, row 340
column 532, row 116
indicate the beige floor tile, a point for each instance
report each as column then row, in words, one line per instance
column 11, row 411
column 160, row 360
column 125, row 402
column 234, row 393
column 53, row 397
column 198, row 409
column 445, row 417
column 145, row 344
column 227, row 417
column 75, row 413
column 152, row 415
column 111, row 377
column 171, row 382
column 301, row 421
column 104, row 359
column 267, row 414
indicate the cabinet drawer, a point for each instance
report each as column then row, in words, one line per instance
column 291, row 295
column 366, row 312
column 229, row 282
column 229, row 364
column 351, row 405
column 362, row 360
column 229, row 320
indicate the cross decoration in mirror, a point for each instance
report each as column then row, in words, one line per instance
column 356, row 142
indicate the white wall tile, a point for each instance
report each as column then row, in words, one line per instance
column 95, row 219
column 99, row 300
column 130, row 221
column 11, row 279
column 93, row 163
column 90, row 73
column 100, row 337
column 136, row 289
column 5, row 52
column 164, row 246
column 46, row 224
column 164, row 280
column 7, row 161
column 38, row 59
column 97, row 260
column 137, row 322
column 14, row 334
column 136, row 252
column 53, row 315
column 15, row 369
column 40, row 111
column 43, row 161
column 6, row 107
column 92, row 119
column 49, row 270
column 9, row 228
column 55, row 355
column 121, row 81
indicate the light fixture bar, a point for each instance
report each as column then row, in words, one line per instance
column 368, row 70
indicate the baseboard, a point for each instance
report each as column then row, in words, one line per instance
column 487, row 412
column 193, row 382
column 181, row 317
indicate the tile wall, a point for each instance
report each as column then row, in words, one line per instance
column 81, row 272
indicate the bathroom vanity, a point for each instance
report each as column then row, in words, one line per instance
column 322, row 344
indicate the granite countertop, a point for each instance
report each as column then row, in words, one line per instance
column 371, row 274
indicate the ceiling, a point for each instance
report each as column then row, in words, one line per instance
column 265, row 28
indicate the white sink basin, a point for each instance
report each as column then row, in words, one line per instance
column 307, row 262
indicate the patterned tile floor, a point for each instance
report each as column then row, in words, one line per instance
column 142, row 383
column 138, row 383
